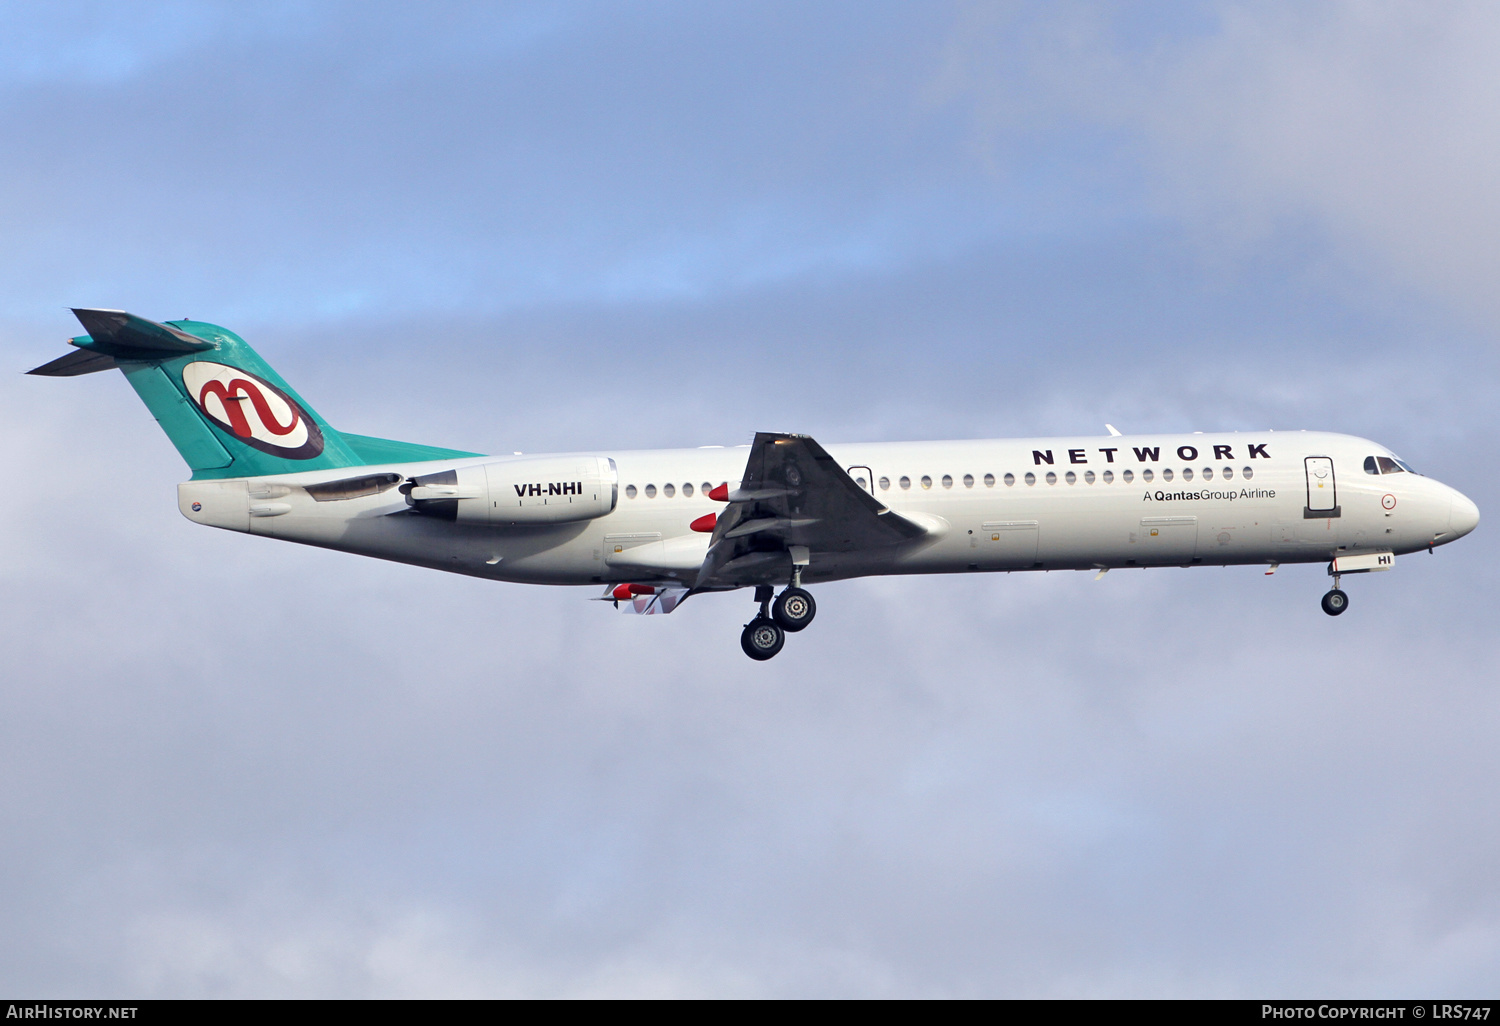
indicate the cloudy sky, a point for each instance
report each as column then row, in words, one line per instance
column 235, row 768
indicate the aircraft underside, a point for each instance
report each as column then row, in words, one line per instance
column 768, row 535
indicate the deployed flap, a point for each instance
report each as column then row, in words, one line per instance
column 649, row 601
column 126, row 336
column 795, row 494
column 80, row 361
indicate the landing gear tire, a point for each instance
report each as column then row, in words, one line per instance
column 1335, row 602
column 794, row 609
column 762, row 638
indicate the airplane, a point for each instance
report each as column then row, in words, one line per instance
column 656, row 527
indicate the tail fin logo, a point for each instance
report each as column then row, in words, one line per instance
column 253, row 410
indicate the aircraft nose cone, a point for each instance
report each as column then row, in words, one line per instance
column 1463, row 515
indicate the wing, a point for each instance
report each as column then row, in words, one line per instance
column 794, row 495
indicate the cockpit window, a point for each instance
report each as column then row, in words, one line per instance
column 1405, row 466
column 1370, row 466
column 1388, row 465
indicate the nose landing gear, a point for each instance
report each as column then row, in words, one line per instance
column 1336, row 601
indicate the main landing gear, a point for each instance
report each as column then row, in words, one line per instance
column 763, row 636
column 1335, row 602
column 793, row 610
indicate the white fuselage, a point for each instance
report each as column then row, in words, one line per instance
column 1006, row 504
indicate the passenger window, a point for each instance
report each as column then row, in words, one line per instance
column 1088, row 477
column 989, row 480
column 1247, row 473
column 1127, row 476
column 1109, row 476
column 1370, row 467
column 969, row 480
column 1070, row 477
column 1228, row 473
column 651, row 491
column 1208, row 473
column 905, row 481
column 1146, row 475
column 1030, row 478
column 1166, row 475
column 1388, row 465
column 948, row 480
column 687, row 490
column 668, row 490
column 885, row 484
column 630, row 491
column 926, row 481
column 1051, row 477
column 1187, row 474
column 707, row 487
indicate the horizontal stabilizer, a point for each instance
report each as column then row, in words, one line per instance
column 80, row 361
column 127, row 336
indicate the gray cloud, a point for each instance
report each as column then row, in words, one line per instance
column 1368, row 125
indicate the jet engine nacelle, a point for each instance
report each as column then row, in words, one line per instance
column 545, row 490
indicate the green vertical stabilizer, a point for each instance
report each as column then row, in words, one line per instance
column 198, row 411
column 227, row 412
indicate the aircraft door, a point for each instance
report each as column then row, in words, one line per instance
column 1167, row 540
column 1008, row 544
column 1322, row 492
column 864, row 478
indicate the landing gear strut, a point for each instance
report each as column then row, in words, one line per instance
column 1335, row 602
column 792, row 611
column 763, row 636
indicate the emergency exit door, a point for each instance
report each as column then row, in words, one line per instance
column 1322, row 492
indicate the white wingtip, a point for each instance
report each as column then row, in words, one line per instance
column 1112, row 431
